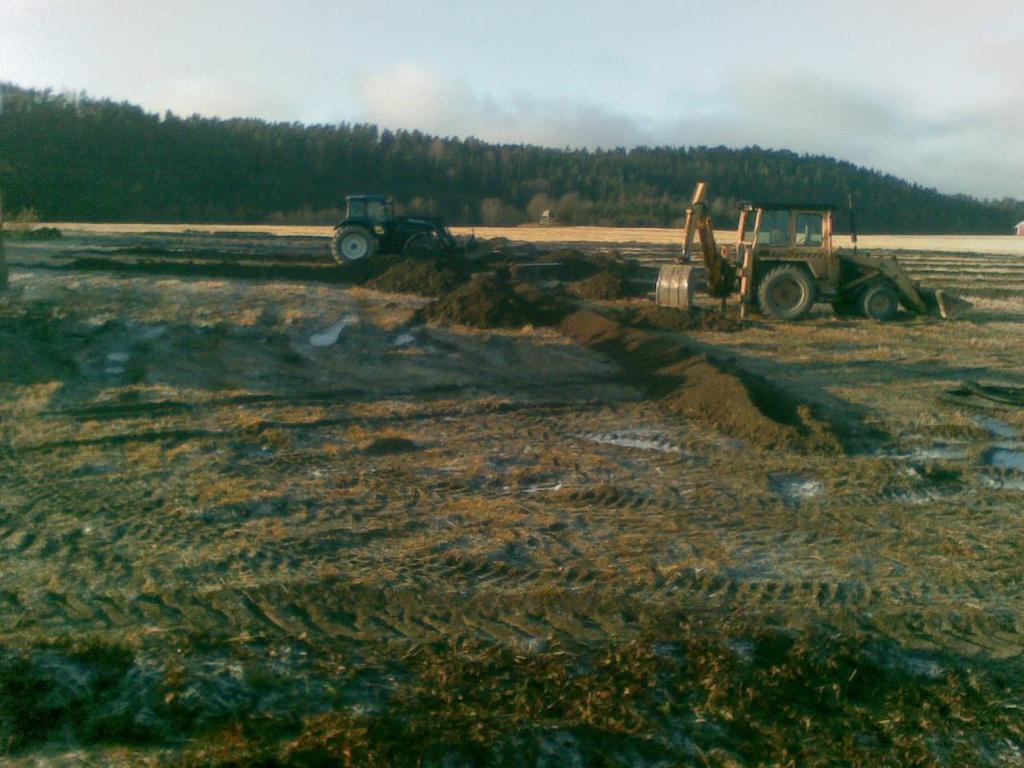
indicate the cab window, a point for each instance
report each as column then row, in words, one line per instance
column 809, row 229
column 749, row 222
column 356, row 209
column 376, row 211
column 774, row 228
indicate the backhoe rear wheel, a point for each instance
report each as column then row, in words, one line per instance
column 787, row 293
column 879, row 301
column 353, row 244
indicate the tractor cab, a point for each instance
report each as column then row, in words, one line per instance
column 778, row 225
column 373, row 209
column 794, row 235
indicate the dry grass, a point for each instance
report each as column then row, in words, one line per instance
column 354, row 554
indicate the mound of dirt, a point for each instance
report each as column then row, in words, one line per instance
column 604, row 286
column 692, row 319
column 490, row 244
column 486, row 302
column 698, row 386
column 571, row 264
column 424, row 277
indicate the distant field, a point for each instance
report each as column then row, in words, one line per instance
column 994, row 244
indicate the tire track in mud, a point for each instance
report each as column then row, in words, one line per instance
column 582, row 602
column 487, row 587
column 575, row 608
column 576, row 587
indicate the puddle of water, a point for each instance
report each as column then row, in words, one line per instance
column 997, row 428
column 153, row 332
column 917, row 498
column 539, row 488
column 796, row 488
column 642, row 439
column 937, row 452
column 743, row 649
column 940, row 451
column 1010, row 456
column 330, row 336
column 404, row 340
column 1005, row 483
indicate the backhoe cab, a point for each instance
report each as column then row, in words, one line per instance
column 370, row 226
column 784, row 262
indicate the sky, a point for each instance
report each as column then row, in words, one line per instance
column 929, row 91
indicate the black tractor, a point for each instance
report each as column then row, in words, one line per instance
column 370, row 226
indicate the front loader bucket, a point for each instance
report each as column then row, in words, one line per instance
column 677, row 285
column 944, row 304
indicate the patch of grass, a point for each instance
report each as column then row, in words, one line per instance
column 760, row 697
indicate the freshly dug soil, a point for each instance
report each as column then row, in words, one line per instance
column 697, row 386
column 572, row 264
column 424, row 277
column 692, row 319
column 604, row 286
column 486, row 302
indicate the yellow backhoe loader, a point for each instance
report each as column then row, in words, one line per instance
column 784, row 263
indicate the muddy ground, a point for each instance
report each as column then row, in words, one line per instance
column 257, row 509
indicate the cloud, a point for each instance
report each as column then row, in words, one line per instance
column 224, row 98
column 979, row 151
column 407, row 96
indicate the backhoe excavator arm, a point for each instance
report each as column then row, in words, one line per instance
column 721, row 273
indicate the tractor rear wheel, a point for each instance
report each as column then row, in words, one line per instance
column 787, row 293
column 353, row 244
column 879, row 301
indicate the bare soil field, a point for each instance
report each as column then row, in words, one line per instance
column 259, row 509
column 621, row 237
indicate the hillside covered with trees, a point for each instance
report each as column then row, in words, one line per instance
column 83, row 159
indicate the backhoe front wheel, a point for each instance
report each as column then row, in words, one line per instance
column 353, row 244
column 878, row 301
column 787, row 293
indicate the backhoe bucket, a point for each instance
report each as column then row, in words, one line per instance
column 677, row 285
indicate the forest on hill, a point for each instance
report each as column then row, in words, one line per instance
column 68, row 157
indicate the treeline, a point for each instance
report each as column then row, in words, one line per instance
column 70, row 157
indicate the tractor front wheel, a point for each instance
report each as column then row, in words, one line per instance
column 878, row 301
column 353, row 244
column 787, row 293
